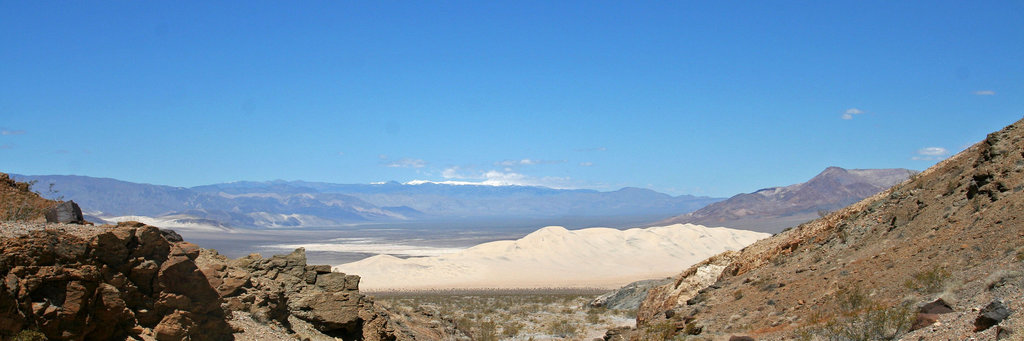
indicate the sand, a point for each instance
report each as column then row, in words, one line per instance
column 553, row 257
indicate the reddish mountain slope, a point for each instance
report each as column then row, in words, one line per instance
column 955, row 232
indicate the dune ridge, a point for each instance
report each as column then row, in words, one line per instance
column 556, row 257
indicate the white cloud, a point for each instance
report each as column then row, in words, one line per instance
column 984, row 92
column 6, row 146
column 848, row 114
column 930, row 153
column 453, row 173
column 407, row 163
column 594, row 149
column 586, row 164
column 495, row 178
column 527, row 162
column 11, row 132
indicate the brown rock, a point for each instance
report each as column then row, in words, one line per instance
column 175, row 326
column 331, row 312
column 336, row 281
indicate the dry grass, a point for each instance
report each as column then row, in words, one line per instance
column 541, row 314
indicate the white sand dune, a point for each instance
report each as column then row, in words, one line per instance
column 556, row 257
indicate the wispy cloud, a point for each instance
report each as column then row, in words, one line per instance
column 594, row 149
column 460, row 176
column 406, row 163
column 62, row 151
column 984, row 92
column 11, row 132
column 848, row 114
column 6, row 146
column 931, row 153
column 586, row 164
column 527, row 162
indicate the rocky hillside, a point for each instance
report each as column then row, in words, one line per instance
column 775, row 208
column 946, row 246
column 18, row 202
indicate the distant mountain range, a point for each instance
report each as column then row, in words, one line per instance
column 775, row 208
column 274, row 204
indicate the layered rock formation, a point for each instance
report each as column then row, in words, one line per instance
column 875, row 269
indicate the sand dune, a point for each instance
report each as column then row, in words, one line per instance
column 556, row 257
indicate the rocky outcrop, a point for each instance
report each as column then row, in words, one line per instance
column 281, row 287
column 629, row 296
column 66, row 212
column 137, row 281
column 127, row 282
column 18, row 202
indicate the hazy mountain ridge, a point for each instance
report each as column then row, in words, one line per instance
column 774, row 208
column 299, row 203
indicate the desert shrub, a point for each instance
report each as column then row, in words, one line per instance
column 29, row 335
column 562, row 328
column 857, row 318
column 511, row 330
column 486, row 331
column 594, row 315
column 663, row 330
column 928, row 281
column 875, row 323
column 851, row 299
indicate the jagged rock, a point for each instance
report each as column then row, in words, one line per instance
column 617, row 334
column 336, row 281
column 66, row 212
column 741, row 338
column 629, row 296
column 991, row 315
column 929, row 314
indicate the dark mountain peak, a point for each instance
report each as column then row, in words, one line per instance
column 774, row 208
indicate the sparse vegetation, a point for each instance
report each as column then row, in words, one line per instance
column 857, row 318
column 512, row 314
column 29, row 335
column 928, row 281
column 20, row 203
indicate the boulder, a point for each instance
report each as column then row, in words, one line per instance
column 66, row 212
column 334, row 313
column 991, row 315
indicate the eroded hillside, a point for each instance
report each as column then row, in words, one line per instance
column 18, row 202
column 954, row 232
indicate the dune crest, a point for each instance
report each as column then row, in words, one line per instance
column 556, row 257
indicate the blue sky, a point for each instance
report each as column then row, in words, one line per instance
column 708, row 98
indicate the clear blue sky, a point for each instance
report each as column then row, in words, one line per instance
column 708, row 98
